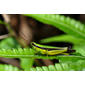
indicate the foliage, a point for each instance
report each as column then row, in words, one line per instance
column 65, row 24
column 11, row 43
column 76, row 66
column 4, row 67
column 75, row 34
column 63, row 38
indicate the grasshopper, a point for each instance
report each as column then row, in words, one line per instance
column 48, row 50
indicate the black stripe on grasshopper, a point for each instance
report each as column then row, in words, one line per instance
column 69, row 50
column 45, row 48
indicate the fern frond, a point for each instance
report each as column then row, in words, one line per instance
column 56, row 67
column 71, row 66
column 66, row 24
column 30, row 53
column 16, row 53
column 77, row 66
column 4, row 67
column 63, row 38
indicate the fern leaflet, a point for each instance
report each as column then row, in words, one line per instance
column 63, row 38
column 4, row 67
column 66, row 24
column 77, row 66
column 30, row 53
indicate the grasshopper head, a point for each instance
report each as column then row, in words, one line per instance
column 69, row 50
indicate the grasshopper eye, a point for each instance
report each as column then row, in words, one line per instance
column 33, row 44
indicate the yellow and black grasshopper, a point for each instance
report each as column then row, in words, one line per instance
column 51, row 50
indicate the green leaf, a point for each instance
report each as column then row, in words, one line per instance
column 66, row 24
column 9, row 43
column 30, row 53
column 63, row 38
column 26, row 63
column 75, row 66
column 4, row 67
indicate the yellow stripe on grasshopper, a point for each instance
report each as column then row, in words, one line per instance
column 49, row 51
column 55, row 52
